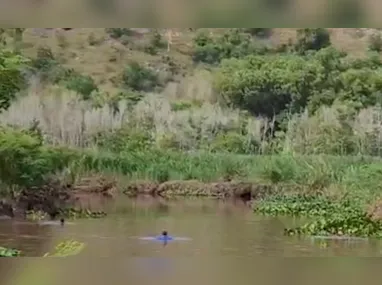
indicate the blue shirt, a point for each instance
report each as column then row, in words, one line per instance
column 164, row 238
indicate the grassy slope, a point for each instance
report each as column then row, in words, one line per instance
column 97, row 60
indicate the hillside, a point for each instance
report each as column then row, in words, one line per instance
column 93, row 52
column 252, row 90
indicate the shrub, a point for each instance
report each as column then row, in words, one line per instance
column 117, row 33
column 24, row 161
column 312, row 39
column 124, row 140
column 258, row 32
column 46, row 66
column 93, row 40
column 156, row 42
column 11, row 76
column 231, row 44
column 232, row 142
column 139, row 78
column 375, row 42
column 274, row 84
column 82, row 84
column 62, row 40
column 267, row 85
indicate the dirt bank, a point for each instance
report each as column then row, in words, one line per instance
column 243, row 190
column 55, row 197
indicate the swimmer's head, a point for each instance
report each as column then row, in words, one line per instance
column 164, row 233
column 62, row 220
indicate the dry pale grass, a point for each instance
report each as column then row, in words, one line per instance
column 67, row 120
column 194, row 88
column 105, row 60
column 61, row 114
column 310, row 132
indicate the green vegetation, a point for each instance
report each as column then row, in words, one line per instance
column 211, row 104
column 69, row 213
column 327, row 215
column 67, row 248
column 8, row 252
column 63, row 249
column 73, row 213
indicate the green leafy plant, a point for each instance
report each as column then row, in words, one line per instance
column 82, row 84
column 139, row 78
column 11, row 76
column 9, row 252
column 233, row 44
column 67, row 248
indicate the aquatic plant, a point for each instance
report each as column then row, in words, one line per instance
column 35, row 215
column 75, row 213
column 9, row 252
column 360, row 225
column 308, row 205
column 66, row 248
column 342, row 215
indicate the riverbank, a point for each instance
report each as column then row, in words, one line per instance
column 54, row 179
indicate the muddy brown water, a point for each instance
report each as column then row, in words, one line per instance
column 229, row 243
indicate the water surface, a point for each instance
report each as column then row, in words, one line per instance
column 227, row 243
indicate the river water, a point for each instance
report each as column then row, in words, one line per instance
column 228, row 243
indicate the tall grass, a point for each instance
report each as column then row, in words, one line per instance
column 181, row 119
column 65, row 119
column 62, row 116
column 25, row 162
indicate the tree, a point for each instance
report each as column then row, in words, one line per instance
column 11, row 76
column 312, row 39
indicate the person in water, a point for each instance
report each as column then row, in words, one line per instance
column 164, row 237
column 62, row 221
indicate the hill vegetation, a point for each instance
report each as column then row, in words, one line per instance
column 95, row 97
column 295, row 108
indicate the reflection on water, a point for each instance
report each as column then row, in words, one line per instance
column 227, row 241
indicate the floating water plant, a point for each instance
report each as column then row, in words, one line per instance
column 67, row 248
column 356, row 225
column 73, row 213
column 9, row 252
column 307, row 205
column 342, row 216
column 35, row 215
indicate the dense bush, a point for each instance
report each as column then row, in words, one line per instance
column 375, row 42
column 11, row 76
column 49, row 70
column 82, row 84
column 24, row 161
column 258, row 32
column 312, row 39
column 232, row 44
column 139, row 78
column 155, row 43
column 117, row 33
column 233, row 142
column 272, row 84
column 124, row 140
